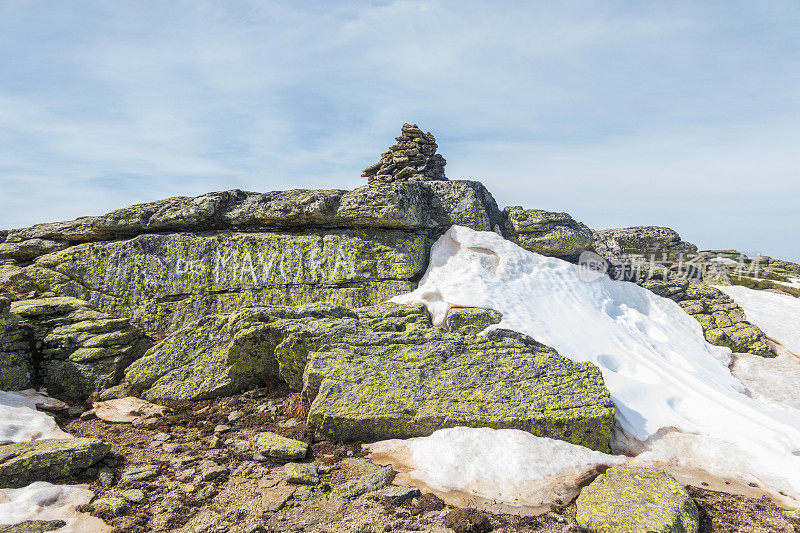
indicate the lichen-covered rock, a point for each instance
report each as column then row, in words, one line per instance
column 167, row 263
column 402, row 378
column 471, row 320
column 113, row 505
column 384, row 372
column 634, row 500
column 169, row 279
column 29, row 249
column 223, row 354
column 77, row 350
column 48, row 459
column 413, row 158
column 547, row 233
column 723, row 321
column 301, row 473
column 139, row 473
column 16, row 351
column 273, row 445
column 647, row 241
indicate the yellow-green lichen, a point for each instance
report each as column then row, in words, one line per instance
column 633, row 500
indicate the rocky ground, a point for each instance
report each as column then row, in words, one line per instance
column 199, row 480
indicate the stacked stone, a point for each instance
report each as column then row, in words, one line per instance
column 413, row 158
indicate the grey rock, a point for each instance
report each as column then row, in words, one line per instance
column 139, row 473
column 547, row 233
column 48, row 459
column 368, row 483
column 115, row 506
column 301, row 473
column 79, row 350
column 413, row 158
column 134, row 496
column 398, row 495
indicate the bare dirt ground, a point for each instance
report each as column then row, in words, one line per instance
column 244, row 495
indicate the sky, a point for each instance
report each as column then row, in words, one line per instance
column 668, row 113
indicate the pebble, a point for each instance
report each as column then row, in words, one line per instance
column 163, row 437
column 222, row 428
column 205, row 493
column 105, row 476
column 234, row 416
column 140, row 473
column 301, row 473
column 398, row 495
column 134, row 496
column 116, row 506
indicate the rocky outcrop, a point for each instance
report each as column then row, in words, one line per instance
column 547, row 233
column 723, row 321
column 659, row 260
column 48, row 459
column 646, row 252
column 16, row 354
column 66, row 346
column 413, row 158
column 385, row 372
column 630, row 500
column 167, row 263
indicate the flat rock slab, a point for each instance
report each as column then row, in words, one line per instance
column 391, row 374
column 626, row 499
column 48, row 459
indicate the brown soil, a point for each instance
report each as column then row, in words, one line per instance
column 252, row 496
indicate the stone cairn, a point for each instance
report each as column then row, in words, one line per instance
column 413, row 158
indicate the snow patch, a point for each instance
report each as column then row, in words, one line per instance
column 21, row 422
column 44, row 501
column 778, row 315
column 661, row 372
column 500, row 470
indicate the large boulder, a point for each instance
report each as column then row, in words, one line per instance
column 16, row 351
column 634, row 500
column 547, row 233
column 49, row 459
column 167, row 263
column 384, row 372
column 75, row 349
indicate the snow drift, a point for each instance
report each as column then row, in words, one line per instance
column 678, row 405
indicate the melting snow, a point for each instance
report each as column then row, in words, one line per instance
column 43, row 501
column 21, row 422
column 677, row 403
column 778, row 315
column 481, row 467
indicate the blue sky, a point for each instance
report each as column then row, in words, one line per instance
column 682, row 114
